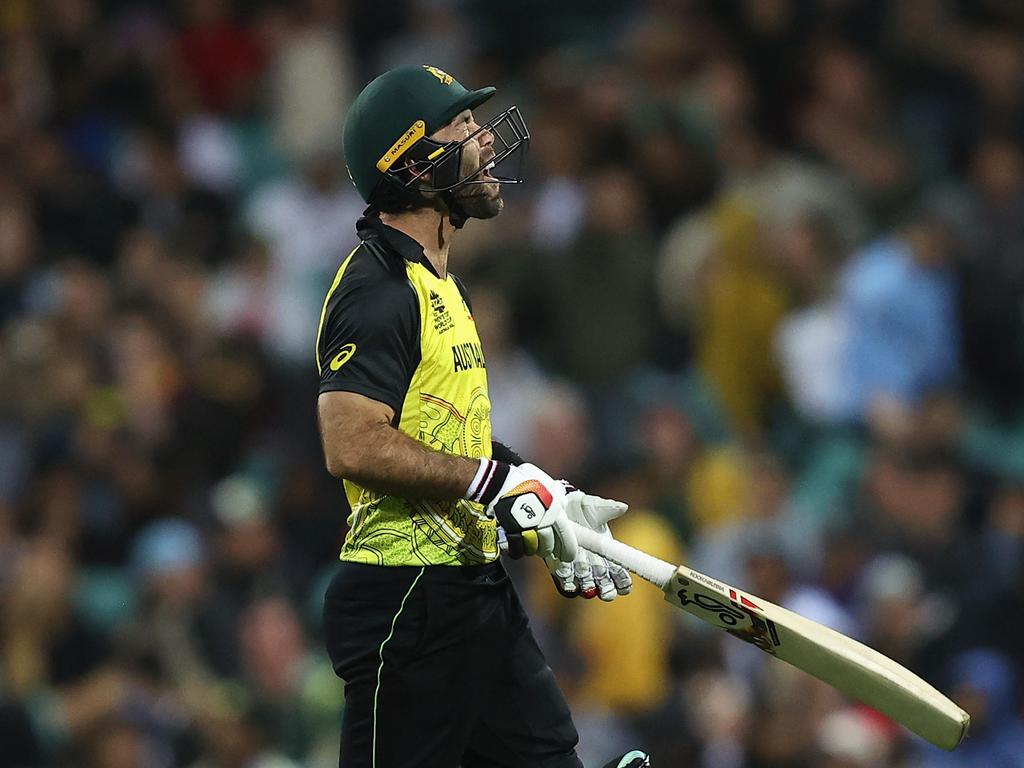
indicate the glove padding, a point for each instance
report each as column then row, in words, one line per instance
column 530, row 507
column 589, row 575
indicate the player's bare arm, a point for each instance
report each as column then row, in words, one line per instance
column 360, row 444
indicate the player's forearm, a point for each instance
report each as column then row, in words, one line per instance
column 389, row 461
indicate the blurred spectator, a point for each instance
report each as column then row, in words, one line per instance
column 17, row 251
column 436, row 32
column 739, row 302
column 671, row 449
column 625, row 672
column 186, row 214
column 240, row 737
column 1003, row 535
column 674, row 175
column 696, row 484
column 307, row 223
column 984, row 683
column 222, row 56
column 75, row 212
column 899, row 300
column 560, row 434
column 899, row 618
column 811, row 340
column 778, row 187
column 118, row 744
column 852, row 738
column 181, row 624
column 761, row 516
column 990, row 220
column 296, row 709
column 311, row 79
column 16, row 734
column 245, row 542
column 559, row 203
column 722, row 715
column 240, row 292
column 918, row 508
column 846, row 122
column 772, row 574
column 51, row 659
column 515, row 383
column 598, row 292
column 993, row 57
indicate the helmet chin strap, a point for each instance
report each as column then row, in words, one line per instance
column 456, row 215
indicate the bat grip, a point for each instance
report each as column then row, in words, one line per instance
column 648, row 568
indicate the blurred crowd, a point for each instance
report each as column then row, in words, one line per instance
column 765, row 283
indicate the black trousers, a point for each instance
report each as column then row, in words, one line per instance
column 441, row 670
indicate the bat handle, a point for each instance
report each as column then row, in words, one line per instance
column 649, row 568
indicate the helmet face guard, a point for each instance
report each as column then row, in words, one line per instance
column 443, row 161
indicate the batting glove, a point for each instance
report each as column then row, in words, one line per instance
column 589, row 575
column 529, row 505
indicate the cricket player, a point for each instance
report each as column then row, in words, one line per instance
column 441, row 669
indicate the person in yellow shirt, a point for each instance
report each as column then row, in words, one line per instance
column 625, row 645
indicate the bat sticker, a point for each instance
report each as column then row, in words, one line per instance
column 737, row 619
column 762, row 634
column 726, row 613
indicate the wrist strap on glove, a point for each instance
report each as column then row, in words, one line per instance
column 489, row 479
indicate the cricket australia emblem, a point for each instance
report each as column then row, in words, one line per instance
column 442, row 319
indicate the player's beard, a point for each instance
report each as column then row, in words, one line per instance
column 480, row 201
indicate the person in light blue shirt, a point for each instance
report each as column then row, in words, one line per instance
column 899, row 297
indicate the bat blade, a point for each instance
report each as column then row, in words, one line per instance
column 860, row 672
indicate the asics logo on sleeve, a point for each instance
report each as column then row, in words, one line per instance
column 343, row 356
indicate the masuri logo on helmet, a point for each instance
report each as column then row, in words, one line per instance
column 392, row 117
column 416, row 132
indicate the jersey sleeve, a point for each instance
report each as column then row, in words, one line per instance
column 369, row 342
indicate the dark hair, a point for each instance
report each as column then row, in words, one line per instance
column 390, row 197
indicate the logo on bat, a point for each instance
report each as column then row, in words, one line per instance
column 758, row 632
column 726, row 613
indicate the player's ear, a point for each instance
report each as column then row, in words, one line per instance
column 409, row 171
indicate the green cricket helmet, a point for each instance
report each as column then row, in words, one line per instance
column 388, row 125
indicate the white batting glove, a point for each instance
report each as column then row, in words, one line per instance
column 529, row 505
column 590, row 575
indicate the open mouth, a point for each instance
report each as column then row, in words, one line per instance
column 486, row 174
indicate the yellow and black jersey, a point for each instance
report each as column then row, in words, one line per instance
column 393, row 330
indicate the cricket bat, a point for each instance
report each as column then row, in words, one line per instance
column 858, row 671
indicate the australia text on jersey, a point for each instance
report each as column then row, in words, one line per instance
column 468, row 356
